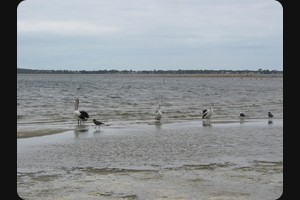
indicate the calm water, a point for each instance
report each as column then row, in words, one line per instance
column 47, row 100
column 134, row 158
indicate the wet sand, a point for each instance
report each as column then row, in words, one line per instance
column 55, row 166
column 37, row 133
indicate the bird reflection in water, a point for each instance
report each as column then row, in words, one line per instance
column 97, row 131
column 206, row 123
column 158, row 125
column 81, row 130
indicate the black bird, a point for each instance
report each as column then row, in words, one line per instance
column 270, row 114
column 97, row 123
column 242, row 114
column 79, row 115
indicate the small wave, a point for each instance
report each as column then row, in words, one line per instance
column 106, row 170
column 264, row 166
column 210, row 166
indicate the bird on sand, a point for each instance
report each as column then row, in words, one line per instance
column 158, row 113
column 270, row 114
column 79, row 115
column 97, row 123
column 208, row 113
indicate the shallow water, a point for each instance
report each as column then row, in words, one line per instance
column 151, row 145
column 236, row 160
column 131, row 156
column 47, row 101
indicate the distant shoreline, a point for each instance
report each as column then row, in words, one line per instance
column 214, row 75
column 205, row 72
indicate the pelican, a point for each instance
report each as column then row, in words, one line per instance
column 158, row 113
column 207, row 113
column 270, row 114
column 79, row 115
column 97, row 123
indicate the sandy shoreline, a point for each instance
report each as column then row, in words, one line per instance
column 50, row 131
column 37, row 133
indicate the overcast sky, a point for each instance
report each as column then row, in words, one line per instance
column 150, row 34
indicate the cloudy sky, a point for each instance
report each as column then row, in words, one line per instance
column 150, row 34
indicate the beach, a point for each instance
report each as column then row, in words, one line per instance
column 133, row 157
column 183, row 160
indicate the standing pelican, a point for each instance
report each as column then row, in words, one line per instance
column 79, row 115
column 158, row 113
column 207, row 113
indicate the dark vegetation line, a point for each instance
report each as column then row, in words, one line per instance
column 180, row 71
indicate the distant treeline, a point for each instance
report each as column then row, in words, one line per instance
column 180, row 71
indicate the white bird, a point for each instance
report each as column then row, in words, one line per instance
column 270, row 114
column 207, row 113
column 97, row 123
column 79, row 115
column 158, row 113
